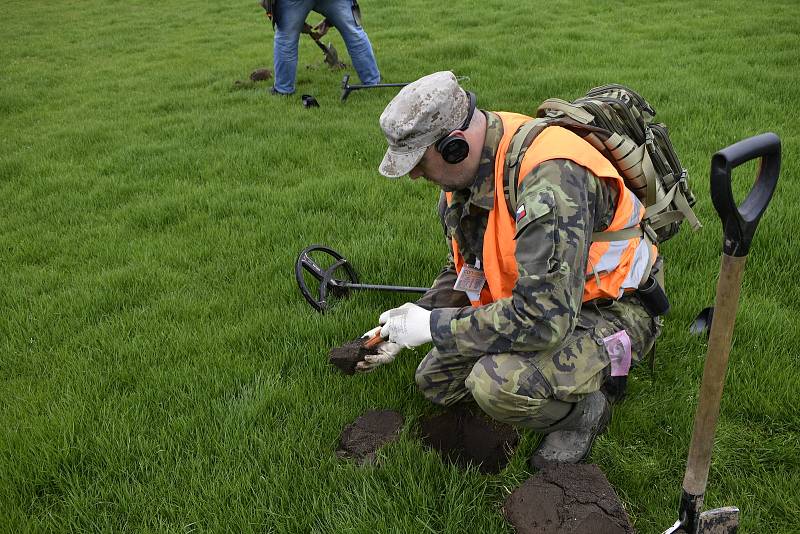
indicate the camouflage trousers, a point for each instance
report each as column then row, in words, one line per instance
column 535, row 390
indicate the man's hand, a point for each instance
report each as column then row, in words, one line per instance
column 322, row 28
column 409, row 325
column 317, row 31
column 387, row 352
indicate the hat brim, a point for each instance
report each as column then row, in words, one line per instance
column 397, row 164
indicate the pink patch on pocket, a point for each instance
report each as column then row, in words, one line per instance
column 618, row 347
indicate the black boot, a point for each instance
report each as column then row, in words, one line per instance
column 570, row 440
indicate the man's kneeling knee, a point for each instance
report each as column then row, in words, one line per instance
column 527, row 405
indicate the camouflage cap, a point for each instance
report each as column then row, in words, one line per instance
column 423, row 112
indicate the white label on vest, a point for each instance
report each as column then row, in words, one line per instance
column 470, row 280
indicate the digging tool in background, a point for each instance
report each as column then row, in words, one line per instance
column 331, row 56
column 739, row 225
column 323, row 264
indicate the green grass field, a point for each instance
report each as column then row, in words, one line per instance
column 159, row 370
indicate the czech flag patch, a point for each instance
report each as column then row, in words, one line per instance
column 520, row 212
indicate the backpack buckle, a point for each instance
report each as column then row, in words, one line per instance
column 648, row 231
column 683, row 184
column 682, row 181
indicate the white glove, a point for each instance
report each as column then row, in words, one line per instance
column 387, row 352
column 409, row 325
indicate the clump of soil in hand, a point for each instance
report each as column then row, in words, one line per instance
column 567, row 499
column 362, row 438
column 259, row 75
column 348, row 355
column 462, row 437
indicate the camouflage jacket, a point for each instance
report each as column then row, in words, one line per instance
column 551, row 255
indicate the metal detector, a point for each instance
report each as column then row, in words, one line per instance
column 347, row 88
column 324, row 265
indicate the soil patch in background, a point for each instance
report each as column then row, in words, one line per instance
column 259, row 75
column 362, row 438
column 463, row 437
column 256, row 76
column 348, row 355
column 567, row 499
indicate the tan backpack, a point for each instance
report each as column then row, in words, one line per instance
column 617, row 121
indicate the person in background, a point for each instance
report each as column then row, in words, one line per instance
column 289, row 20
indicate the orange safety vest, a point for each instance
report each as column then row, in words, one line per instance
column 613, row 267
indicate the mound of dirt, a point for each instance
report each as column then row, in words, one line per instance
column 463, row 437
column 348, row 355
column 362, row 438
column 567, row 499
column 259, row 75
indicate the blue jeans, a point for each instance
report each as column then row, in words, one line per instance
column 291, row 16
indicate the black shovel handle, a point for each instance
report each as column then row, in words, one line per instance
column 739, row 222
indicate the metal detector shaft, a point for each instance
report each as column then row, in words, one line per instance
column 347, row 88
column 377, row 287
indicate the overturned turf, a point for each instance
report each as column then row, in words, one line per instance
column 362, row 438
column 567, row 499
column 259, row 75
column 346, row 357
column 463, row 437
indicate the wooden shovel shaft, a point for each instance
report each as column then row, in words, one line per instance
column 719, row 346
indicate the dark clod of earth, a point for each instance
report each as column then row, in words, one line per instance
column 260, row 75
column 463, row 438
column 567, row 499
column 348, row 355
column 361, row 439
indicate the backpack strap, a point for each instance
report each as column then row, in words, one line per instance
column 637, row 161
column 618, row 235
column 656, row 216
column 660, row 217
column 572, row 111
column 519, row 144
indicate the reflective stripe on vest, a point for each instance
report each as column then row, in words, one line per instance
column 612, row 267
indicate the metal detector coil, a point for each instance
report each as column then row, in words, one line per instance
column 311, row 260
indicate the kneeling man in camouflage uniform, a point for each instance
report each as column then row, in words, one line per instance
column 529, row 310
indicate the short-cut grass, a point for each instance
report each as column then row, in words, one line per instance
column 159, row 370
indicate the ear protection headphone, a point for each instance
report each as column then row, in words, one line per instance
column 453, row 147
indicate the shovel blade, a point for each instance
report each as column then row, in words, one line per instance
column 332, row 57
column 719, row 521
